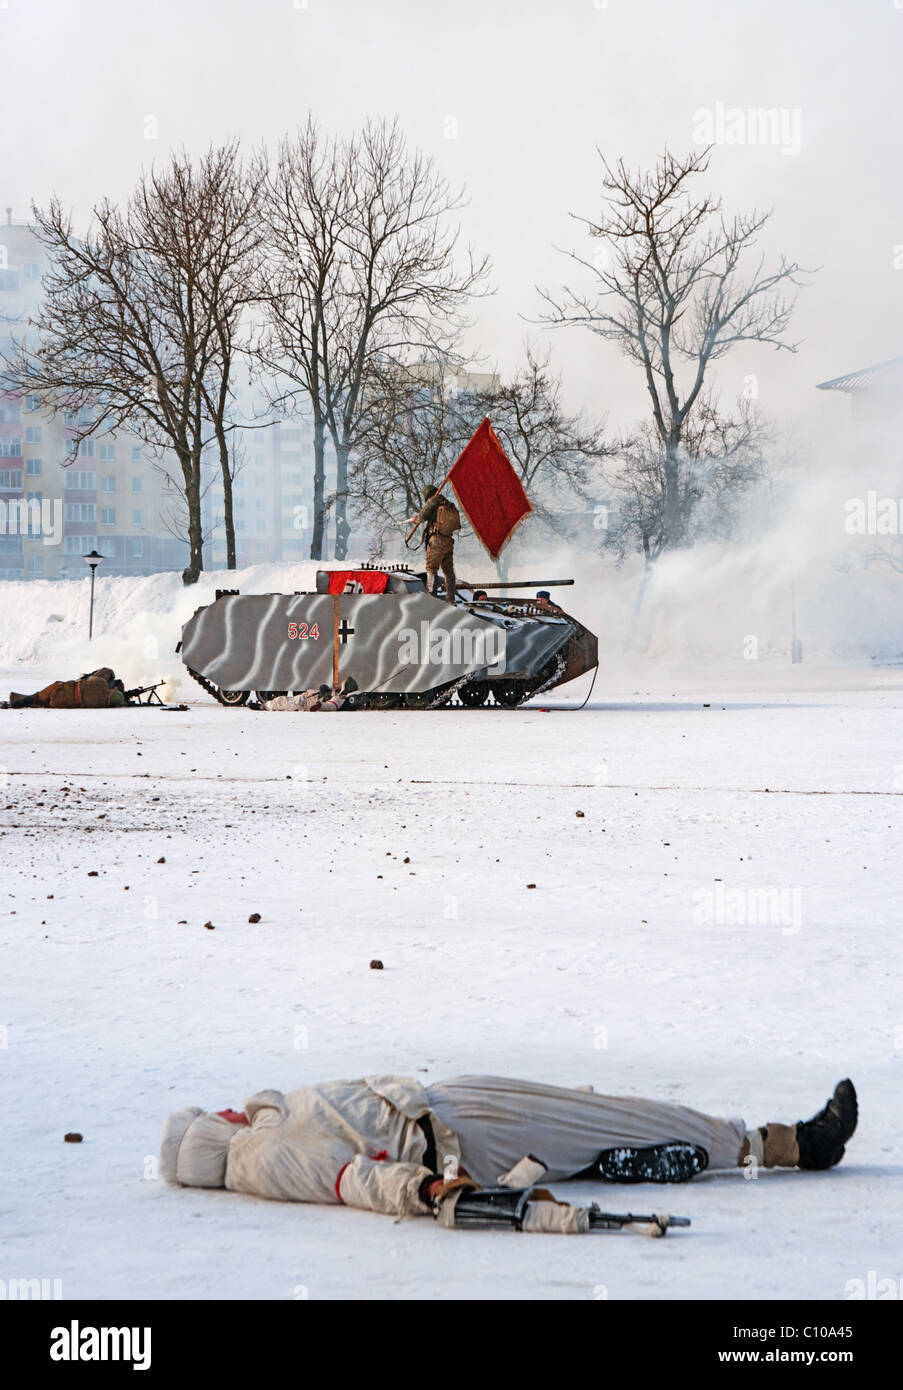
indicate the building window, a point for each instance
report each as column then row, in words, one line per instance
column 81, row 482
column 108, row 452
column 36, row 564
column 86, row 448
column 137, row 485
column 261, row 526
column 10, row 448
column 32, row 271
column 136, row 517
column 108, row 484
column 137, row 549
column 34, row 468
column 32, row 402
column 32, row 434
column 10, row 413
column 11, row 478
column 136, row 453
column 80, row 511
column 80, row 545
column 108, row 516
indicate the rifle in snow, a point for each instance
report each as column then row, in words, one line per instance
column 134, row 696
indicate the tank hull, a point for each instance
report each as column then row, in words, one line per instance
column 393, row 644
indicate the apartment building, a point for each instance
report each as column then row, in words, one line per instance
column 106, row 493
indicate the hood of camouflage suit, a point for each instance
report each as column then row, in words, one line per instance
column 194, row 1148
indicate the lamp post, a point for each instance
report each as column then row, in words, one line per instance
column 93, row 559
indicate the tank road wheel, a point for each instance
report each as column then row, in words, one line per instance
column 419, row 699
column 264, row 695
column 384, row 699
column 473, row 694
column 508, row 693
column 234, row 697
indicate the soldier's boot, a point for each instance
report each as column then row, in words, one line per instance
column 20, row 701
column 822, row 1140
column 674, row 1162
column 432, row 583
column 809, row 1144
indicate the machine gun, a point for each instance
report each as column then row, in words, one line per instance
column 133, row 697
column 504, row 1208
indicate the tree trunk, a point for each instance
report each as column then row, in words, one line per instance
column 195, row 565
column 672, row 516
column 318, row 529
column 228, row 515
column 342, row 529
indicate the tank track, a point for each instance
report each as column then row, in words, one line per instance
column 546, row 685
column 442, row 700
column 213, row 690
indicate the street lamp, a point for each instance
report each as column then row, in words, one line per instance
column 93, row 559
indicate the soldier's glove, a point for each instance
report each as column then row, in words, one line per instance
column 434, row 1191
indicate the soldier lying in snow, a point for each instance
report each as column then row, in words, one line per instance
column 314, row 701
column 389, row 1144
column 97, row 690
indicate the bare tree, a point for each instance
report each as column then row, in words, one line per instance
column 556, row 454
column 364, row 266
column 414, row 427
column 410, row 431
column 672, row 291
column 720, row 458
column 137, row 315
column 229, row 283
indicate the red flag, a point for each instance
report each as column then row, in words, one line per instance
column 489, row 490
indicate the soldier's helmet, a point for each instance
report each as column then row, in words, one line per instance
column 325, row 692
column 429, row 491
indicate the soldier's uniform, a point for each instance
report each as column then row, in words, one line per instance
column 440, row 520
column 93, row 691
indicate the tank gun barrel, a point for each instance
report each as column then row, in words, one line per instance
column 520, row 584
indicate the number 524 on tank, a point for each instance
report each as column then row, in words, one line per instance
column 302, row 631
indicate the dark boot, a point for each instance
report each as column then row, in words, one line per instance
column 821, row 1140
column 659, row 1163
column 20, row 701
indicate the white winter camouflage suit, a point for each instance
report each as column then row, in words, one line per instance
column 359, row 1143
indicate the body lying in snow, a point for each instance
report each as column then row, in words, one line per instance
column 389, row 1144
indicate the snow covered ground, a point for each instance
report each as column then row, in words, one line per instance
column 411, row 838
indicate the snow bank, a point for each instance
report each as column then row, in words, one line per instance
column 137, row 621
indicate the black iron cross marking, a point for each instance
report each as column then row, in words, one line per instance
column 345, row 631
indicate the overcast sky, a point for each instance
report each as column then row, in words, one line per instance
column 511, row 97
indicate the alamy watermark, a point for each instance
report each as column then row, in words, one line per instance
column 22, row 516
column 873, row 515
column 461, row 646
column 749, row 907
column 781, row 126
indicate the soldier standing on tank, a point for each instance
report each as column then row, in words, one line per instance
column 440, row 520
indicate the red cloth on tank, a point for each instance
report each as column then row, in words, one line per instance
column 372, row 581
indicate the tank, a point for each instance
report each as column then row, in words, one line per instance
column 404, row 647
